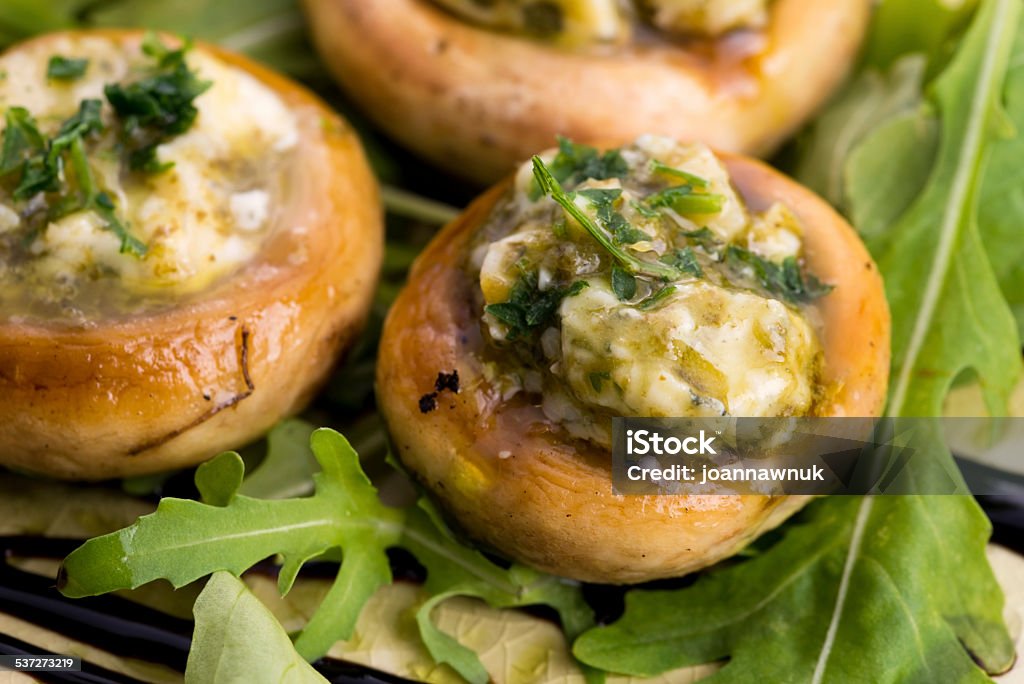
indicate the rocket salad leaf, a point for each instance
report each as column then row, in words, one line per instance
column 236, row 636
column 185, row 540
column 948, row 312
column 797, row 601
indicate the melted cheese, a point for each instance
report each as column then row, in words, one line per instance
column 717, row 344
column 201, row 219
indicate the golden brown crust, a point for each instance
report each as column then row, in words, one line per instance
column 514, row 484
column 478, row 102
column 171, row 388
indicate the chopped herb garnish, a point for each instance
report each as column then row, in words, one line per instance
column 21, row 139
column 44, row 168
column 657, row 297
column 157, row 108
column 685, row 260
column 684, row 200
column 615, row 223
column 528, row 308
column 691, row 179
column 597, row 378
column 66, row 68
column 623, row 283
column 644, row 211
column 702, row 236
column 550, row 186
column 784, row 279
column 575, row 162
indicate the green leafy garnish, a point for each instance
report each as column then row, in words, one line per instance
column 550, row 186
column 597, row 379
column 803, row 602
column 609, row 219
column 575, row 162
column 685, row 260
column 528, row 308
column 783, row 279
column 932, row 252
column 656, row 298
column 684, row 200
column 66, row 68
column 21, row 140
column 159, row 107
column 185, row 540
column 60, row 168
column 690, row 178
column 623, row 283
column 236, row 636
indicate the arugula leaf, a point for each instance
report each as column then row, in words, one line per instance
column 159, row 107
column 949, row 315
column 801, row 601
column 236, row 636
column 1001, row 205
column 783, row 279
column 457, row 570
column 897, row 29
column 185, row 540
column 871, row 99
column 66, row 68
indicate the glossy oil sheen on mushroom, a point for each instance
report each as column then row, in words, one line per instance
column 695, row 307
column 194, row 209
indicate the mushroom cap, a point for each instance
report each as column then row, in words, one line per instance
column 136, row 394
column 514, row 481
column 478, row 102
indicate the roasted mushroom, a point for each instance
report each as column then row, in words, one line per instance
column 476, row 87
column 659, row 279
column 187, row 241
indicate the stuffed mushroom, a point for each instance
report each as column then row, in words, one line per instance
column 658, row 279
column 476, row 87
column 187, row 241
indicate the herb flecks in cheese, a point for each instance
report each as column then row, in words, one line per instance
column 153, row 174
column 650, row 290
column 580, row 23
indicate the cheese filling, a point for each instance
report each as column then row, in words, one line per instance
column 201, row 215
column 687, row 305
column 576, row 23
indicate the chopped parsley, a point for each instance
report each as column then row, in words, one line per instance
column 549, row 185
column 684, row 260
column 615, row 223
column 528, row 308
column 784, row 279
column 597, row 379
column 576, row 162
column 66, row 68
column 150, row 112
column 157, row 108
column 623, row 284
